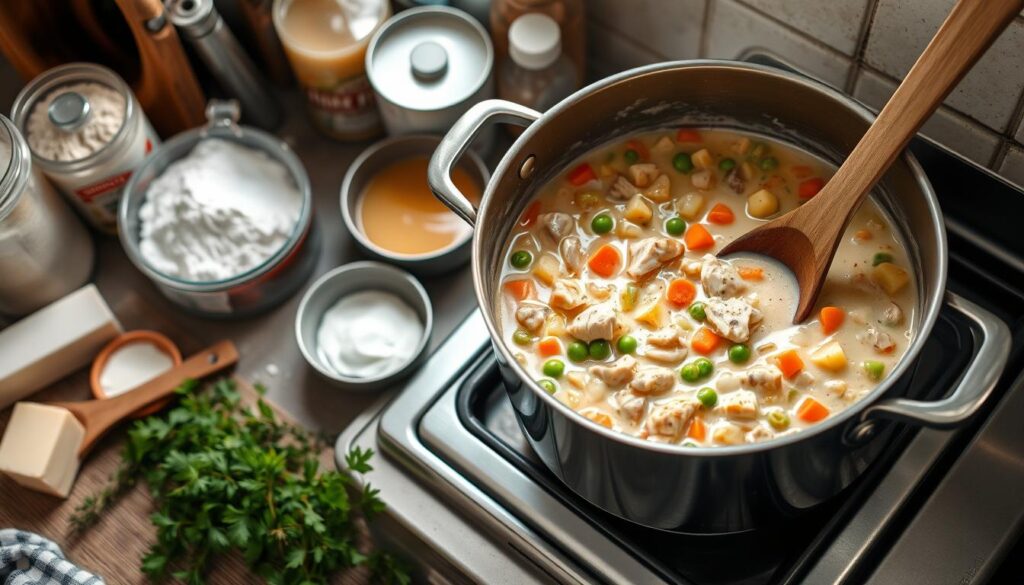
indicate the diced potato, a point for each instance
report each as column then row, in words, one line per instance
column 691, row 206
column 555, row 326
column 568, row 398
column 702, row 159
column 762, row 203
column 577, row 379
column 747, row 171
column 703, row 179
column 829, row 357
column 663, row 145
column 638, row 211
column 643, row 174
column 890, row 277
column 660, row 190
column 651, row 314
column 727, row 434
column 547, row 269
column 606, row 171
column 624, row 229
column 741, row 146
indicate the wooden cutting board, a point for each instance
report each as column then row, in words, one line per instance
column 113, row 548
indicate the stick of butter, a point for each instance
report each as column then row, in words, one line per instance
column 39, row 449
column 53, row 342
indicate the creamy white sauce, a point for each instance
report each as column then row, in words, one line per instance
column 368, row 334
column 133, row 365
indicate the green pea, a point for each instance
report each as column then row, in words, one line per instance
column 520, row 259
column 577, row 351
column 553, row 368
column 704, row 366
column 682, row 162
column 874, row 369
column 600, row 349
column 769, row 163
column 708, row 397
column 690, row 443
column 626, row 344
column 697, row 311
column 690, row 372
column 549, row 386
column 881, row 258
column 726, row 164
column 675, row 226
column 631, row 156
column 739, row 353
column 602, row 223
column 522, row 337
column 778, row 419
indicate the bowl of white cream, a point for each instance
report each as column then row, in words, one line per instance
column 364, row 325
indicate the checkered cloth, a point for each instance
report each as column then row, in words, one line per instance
column 30, row 559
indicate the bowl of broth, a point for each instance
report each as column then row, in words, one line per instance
column 389, row 209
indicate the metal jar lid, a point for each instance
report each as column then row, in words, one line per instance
column 429, row 58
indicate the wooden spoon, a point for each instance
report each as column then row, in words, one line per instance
column 99, row 416
column 806, row 238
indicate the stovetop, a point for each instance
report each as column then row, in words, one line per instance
column 470, row 502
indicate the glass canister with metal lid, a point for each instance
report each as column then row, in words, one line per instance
column 87, row 133
column 45, row 252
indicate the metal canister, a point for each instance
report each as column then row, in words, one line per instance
column 45, row 252
column 428, row 65
column 93, row 176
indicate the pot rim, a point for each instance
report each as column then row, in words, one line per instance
column 933, row 300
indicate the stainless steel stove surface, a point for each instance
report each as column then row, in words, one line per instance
column 470, row 503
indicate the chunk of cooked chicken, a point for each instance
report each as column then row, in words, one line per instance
column 571, row 251
column 601, row 292
column 727, row 433
column 618, row 373
column 557, row 224
column 567, row 294
column 880, row 340
column 720, row 279
column 643, row 174
column 596, row 322
column 732, row 319
column 734, row 179
column 760, row 433
column 892, row 315
column 660, row 190
column 630, row 405
column 650, row 254
column 767, row 380
column 622, row 189
column 738, row 405
column 531, row 315
column 670, row 418
column 667, row 345
column 652, row 381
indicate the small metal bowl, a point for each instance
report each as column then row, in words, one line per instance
column 348, row 279
column 373, row 160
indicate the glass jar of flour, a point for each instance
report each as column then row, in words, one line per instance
column 45, row 252
column 87, row 133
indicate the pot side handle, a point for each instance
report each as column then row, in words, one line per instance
column 974, row 387
column 458, row 139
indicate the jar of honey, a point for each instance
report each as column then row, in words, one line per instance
column 325, row 41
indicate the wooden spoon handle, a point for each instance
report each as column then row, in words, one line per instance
column 98, row 416
column 968, row 31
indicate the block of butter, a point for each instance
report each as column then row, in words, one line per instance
column 39, row 449
column 53, row 342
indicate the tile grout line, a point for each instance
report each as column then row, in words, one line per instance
column 862, row 45
column 803, row 36
column 1016, row 119
column 705, row 27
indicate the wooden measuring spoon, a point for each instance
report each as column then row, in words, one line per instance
column 99, row 416
column 806, row 238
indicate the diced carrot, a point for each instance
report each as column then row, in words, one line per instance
column 530, row 215
column 640, row 148
column 520, row 289
column 698, row 238
column 549, row 346
column 582, row 175
column 721, row 214
column 681, row 292
column 698, row 430
column 810, row 410
column 605, row 261
column 863, row 235
column 600, row 418
column 751, row 272
column 801, row 171
column 790, row 363
column 809, row 188
column 687, row 135
column 831, row 319
column 704, row 341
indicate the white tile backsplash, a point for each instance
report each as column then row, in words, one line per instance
column 611, row 52
column 989, row 93
column 734, row 30
column 669, row 28
column 946, row 126
column 836, row 23
column 1013, row 165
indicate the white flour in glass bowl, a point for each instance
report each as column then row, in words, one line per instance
column 219, row 212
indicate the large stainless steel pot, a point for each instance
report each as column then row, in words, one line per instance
column 722, row 489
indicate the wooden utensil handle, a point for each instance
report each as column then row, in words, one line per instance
column 98, row 416
column 968, row 31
